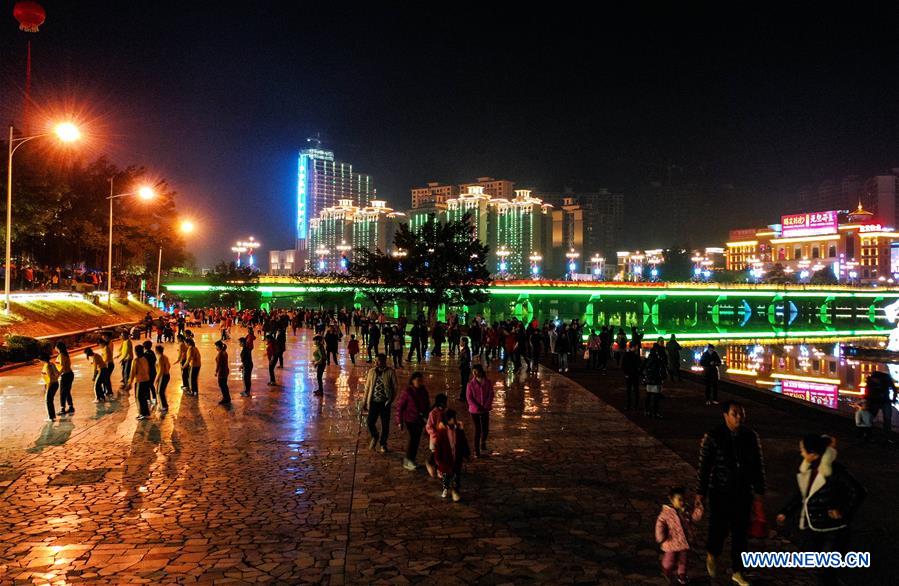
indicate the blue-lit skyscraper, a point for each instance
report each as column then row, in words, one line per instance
column 322, row 182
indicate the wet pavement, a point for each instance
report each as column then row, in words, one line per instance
column 281, row 487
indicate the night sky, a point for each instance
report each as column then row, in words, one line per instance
column 218, row 98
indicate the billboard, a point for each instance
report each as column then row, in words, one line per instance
column 894, row 257
column 811, row 224
column 822, row 394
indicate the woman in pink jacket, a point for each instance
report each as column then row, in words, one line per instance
column 434, row 419
column 674, row 530
column 479, row 394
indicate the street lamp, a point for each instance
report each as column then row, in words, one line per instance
column 503, row 252
column 535, row 259
column 343, row 248
column 185, row 227
column 572, row 257
column 143, row 192
column 248, row 246
column 322, row 252
column 598, row 263
column 66, row 132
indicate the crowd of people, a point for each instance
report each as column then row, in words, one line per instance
column 731, row 477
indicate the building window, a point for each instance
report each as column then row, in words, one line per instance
column 816, row 252
column 832, row 251
column 797, row 253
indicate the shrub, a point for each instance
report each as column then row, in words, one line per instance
column 23, row 348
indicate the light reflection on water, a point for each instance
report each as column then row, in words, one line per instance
column 813, row 370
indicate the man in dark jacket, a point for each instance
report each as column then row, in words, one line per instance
column 710, row 361
column 630, row 366
column 880, row 395
column 731, row 475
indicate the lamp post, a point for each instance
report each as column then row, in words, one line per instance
column 503, row 253
column 239, row 250
column 186, row 227
column 322, row 252
column 572, row 257
column 145, row 193
column 248, row 246
column 66, row 132
column 535, row 259
column 598, row 265
column 343, row 248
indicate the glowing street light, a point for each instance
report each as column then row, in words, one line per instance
column 535, row 259
column 185, row 227
column 248, row 246
column 572, row 257
column 503, row 252
column 65, row 132
column 343, row 248
column 598, row 263
column 239, row 250
column 322, row 252
column 144, row 192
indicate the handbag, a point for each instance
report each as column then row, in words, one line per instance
column 758, row 525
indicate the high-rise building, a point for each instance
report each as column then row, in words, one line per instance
column 474, row 202
column 521, row 228
column 330, row 233
column 500, row 188
column 593, row 220
column 375, row 226
column 433, row 194
column 322, row 182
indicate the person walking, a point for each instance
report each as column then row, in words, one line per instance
column 631, row 367
column 826, row 500
column 880, row 396
column 222, row 370
column 151, row 362
column 246, row 365
column 673, row 349
column 563, row 349
column 710, row 361
column 464, row 367
column 374, row 338
column 731, row 475
column 411, row 414
column 271, row 353
column 480, row 403
column 99, row 369
column 674, row 532
column 352, row 348
column 181, row 359
column 163, row 375
column 319, row 361
column 194, row 362
column 434, row 418
column 414, row 341
column 654, row 370
column 140, row 378
column 126, row 355
column 109, row 359
column 451, row 451
column 66, row 377
column 332, row 340
column 379, row 392
column 50, row 376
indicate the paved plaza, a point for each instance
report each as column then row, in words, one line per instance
column 282, row 488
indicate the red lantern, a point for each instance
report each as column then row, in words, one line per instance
column 30, row 15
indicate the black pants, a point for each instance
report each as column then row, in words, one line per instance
column 105, row 382
column 195, row 380
column 652, row 403
column 535, row 359
column 247, row 376
column 143, row 398
column 711, row 387
column 729, row 513
column 272, row 363
column 65, row 385
column 329, row 354
column 281, row 359
column 126, row 371
column 825, row 541
column 414, row 348
column 464, row 375
column 379, row 411
column 223, row 387
column 51, row 395
column 415, row 428
column 674, row 370
column 452, row 480
column 163, row 385
column 185, row 377
column 481, row 429
column 319, row 378
column 632, row 386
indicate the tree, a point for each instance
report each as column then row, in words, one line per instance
column 443, row 264
column 823, row 277
column 233, row 286
column 777, row 275
column 375, row 274
column 678, row 265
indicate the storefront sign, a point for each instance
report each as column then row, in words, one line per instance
column 818, row 393
column 811, row 224
column 870, row 228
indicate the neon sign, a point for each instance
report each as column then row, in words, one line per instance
column 811, row 224
column 818, row 393
column 870, row 228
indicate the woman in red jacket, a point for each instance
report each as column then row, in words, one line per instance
column 451, row 451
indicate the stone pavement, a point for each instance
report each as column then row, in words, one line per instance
column 281, row 488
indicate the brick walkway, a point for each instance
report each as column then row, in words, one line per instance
column 280, row 488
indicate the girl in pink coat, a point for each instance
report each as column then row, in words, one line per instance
column 434, row 419
column 674, row 530
column 479, row 395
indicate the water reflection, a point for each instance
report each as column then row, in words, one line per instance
column 810, row 370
